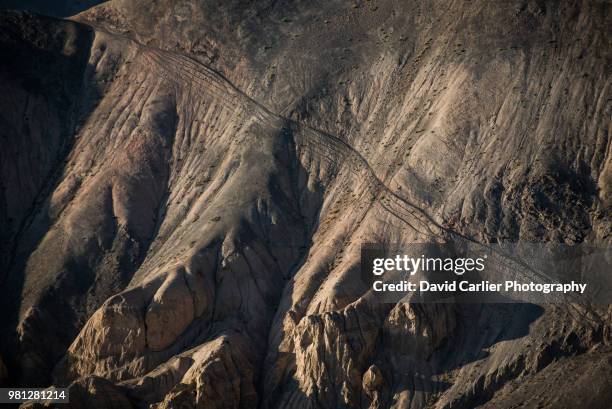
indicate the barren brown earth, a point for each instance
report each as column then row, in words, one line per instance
column 185, row 187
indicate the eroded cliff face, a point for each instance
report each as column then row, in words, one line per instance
column 186, row 187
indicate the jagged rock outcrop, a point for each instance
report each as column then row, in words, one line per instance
column 93, row 392
column 183, row 198
column 90, row 392
column 221, row 375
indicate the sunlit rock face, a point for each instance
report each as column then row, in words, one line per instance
column 185, row 188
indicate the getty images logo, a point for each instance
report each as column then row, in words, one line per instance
column 412, row 265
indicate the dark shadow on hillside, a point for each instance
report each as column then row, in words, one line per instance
column 479, row 328
column 35, row 71
column 55, row 8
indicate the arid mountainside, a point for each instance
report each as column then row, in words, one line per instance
column 185, row 187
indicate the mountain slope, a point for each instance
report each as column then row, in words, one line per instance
column 191, row 215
